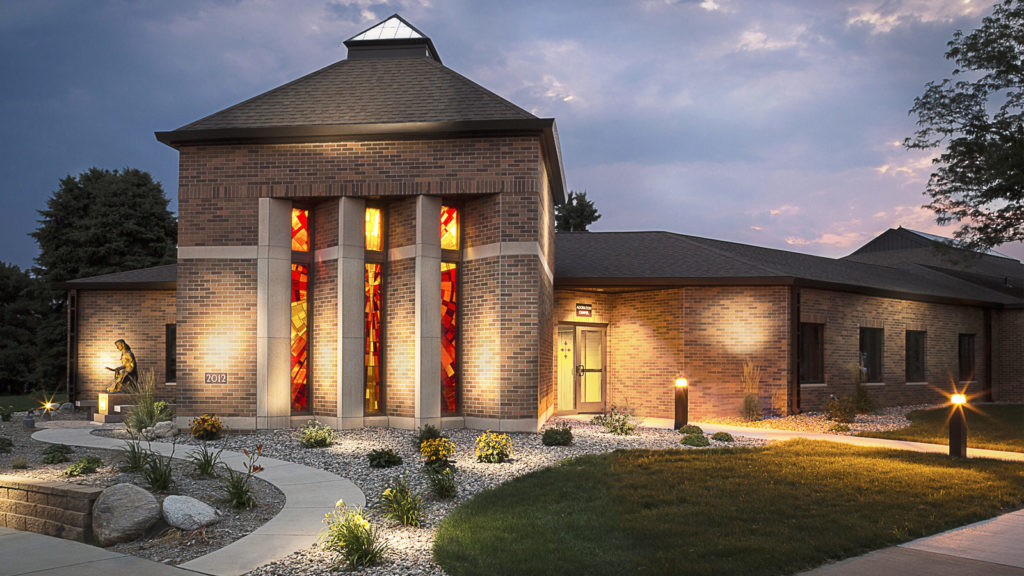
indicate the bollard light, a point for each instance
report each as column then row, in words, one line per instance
column 958, row 427
column 682, row 403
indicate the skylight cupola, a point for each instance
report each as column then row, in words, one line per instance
column 394, row 37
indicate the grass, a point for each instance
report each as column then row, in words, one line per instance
column 992, row 426
column 774, row 510
column 23, row 402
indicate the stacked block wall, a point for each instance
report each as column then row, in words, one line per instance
column 50, row 508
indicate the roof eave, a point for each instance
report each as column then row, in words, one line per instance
column 73, row 285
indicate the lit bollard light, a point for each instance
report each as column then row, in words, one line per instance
column 682, row 403
column 958, row 427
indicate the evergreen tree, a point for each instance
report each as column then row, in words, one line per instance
column 21, row 310
column 576, row 214
column 977, row 115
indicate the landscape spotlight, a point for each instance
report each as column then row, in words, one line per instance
column 958, row 426
column 682, row 403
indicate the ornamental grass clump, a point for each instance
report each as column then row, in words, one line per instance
column 237, row 485
column 751, row 409
column 493, row 447
column 695, row 440
column 722, row 437
column 843, row 410
column 205, row 460
column 57, row 453
column 690, row 429
column 399, row 502
column 560, row 435
column 383, row 458
column 206, row 427
column 146, row 410
column 133, row 456
column 620, row 423
column 436, row 454
column 351, row 536
column 84, row 465
column 442, row 483
column 6, row 444
column 315, row 434
column 159, row 472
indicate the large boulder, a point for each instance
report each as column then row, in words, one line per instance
column 186, row 513
column 165, row 429
column 123, row 513
column 67, row 408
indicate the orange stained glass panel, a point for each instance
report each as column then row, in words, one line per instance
column 372, row 335
column 449, row 338
column 449, row 228
column 374, row 241
column 299, row 338
column 300, row 230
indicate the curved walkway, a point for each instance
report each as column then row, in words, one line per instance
column 309, row 494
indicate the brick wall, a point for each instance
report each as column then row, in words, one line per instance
column 323, row 344
column 50, row 508
column 399, row 345
column 843, row 314
column 1008, row 356
column 482, row 362
column 137, row 316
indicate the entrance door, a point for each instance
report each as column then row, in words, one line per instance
column 590, row 368
column 566, row 401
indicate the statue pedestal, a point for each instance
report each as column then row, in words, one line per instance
column 105, row 408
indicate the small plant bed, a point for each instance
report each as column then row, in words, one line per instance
column 883, row 419
column 746, row 511
column 991, row 426
column 163, row 543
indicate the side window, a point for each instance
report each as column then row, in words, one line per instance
column 811, row 363
column 966, row 357
column 915, row 357
column 871, row 354
column 170, row 353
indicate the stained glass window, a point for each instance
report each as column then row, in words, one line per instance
column 300, row 342
column 374, row 241
column 449, row 338
column 300, row 230
column 449, row 228
column 372, row 335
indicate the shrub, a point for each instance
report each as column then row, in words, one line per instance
column 862, row 401
column 841, row 409
column 493, row 447
column 560, row 435
column 237, row 489
column 146, row 409
column 838, row 427
column 315, row 434
column 6, row 412
column 436, row 453
column 84, row 465
column 427, row 432
column 722, row 437
column 206, row 427
column 383, row 458
column 442, row 483
column 399, row 502
column 751, row 409
column 19, row 463
column 697, row 440
column 690, row 429
column 57, row 453
column 620, row 423
column 350, row 535
column 6, row 444
column 205, row 460
column 159, row 472
column 133, row 456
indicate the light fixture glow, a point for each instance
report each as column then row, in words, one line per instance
column 958, row 399
column 682, row 383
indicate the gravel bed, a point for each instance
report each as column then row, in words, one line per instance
column 162, row 543
column 882, row 420
column 411, row 548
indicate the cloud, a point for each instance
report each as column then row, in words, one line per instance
column 882, row 18
column 755, row 40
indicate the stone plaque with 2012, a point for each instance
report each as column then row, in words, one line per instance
column 216, row 378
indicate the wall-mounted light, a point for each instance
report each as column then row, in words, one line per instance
column 682, row 403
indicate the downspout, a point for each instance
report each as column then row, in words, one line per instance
column 71, row 378
column 794, row 335
column 987, row 389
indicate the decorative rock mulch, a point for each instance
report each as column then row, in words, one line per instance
column 882, row 420
column 162, row 543
column 411, row 547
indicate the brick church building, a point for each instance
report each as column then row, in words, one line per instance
column 374, row 244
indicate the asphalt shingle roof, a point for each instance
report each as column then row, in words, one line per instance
column 367, row 91
column 164, row 276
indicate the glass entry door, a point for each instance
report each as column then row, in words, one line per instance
column 581, row 381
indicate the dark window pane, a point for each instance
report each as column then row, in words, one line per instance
column 966, row 357
column 170, row 353
column 871, row 354
column 811, row 351
column 915, row 358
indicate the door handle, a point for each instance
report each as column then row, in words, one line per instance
column 579, row 369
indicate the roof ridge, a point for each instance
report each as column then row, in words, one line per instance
column 692, row 240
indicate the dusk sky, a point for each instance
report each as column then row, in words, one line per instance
column 776, row 123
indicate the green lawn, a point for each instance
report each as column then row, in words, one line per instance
column 994, row 426
column 25, row 402
column 775, row 510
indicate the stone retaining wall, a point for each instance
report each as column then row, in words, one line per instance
column 51, row 508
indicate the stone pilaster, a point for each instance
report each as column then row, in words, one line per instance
column 427, row 329
column 273, row 314
column 351, row 311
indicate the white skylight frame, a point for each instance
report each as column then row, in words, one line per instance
column 391, row 29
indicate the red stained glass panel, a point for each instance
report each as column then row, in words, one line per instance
column 299, row 338
column 300, row 230
column 449, row 228
column 449, row 338
column 371, row 333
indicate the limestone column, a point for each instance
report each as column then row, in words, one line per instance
column 427, row 329
column 351, row 311
column 273, row 314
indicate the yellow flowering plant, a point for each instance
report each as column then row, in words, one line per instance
column 206, row 427
column 437, row 453
column 493, row 447
column 349, row 534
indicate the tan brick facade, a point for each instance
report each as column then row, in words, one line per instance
column 1008, row 355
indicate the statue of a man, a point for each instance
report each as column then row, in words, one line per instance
column 125, row 373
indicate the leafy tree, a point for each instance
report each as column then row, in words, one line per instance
column 99, row 222
column 104, row 221
column 576, row 214
column 978, row 116
column 21, row 311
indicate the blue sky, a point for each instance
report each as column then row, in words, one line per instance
column 774, row 123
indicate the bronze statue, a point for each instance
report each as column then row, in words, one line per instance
column 125, row 373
